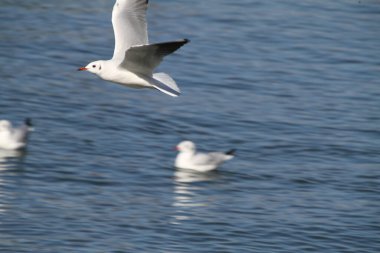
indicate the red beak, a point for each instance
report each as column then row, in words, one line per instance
column 82, row 69
column 176, row 148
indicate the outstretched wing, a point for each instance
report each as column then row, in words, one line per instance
column 144, row 59
column 129, row 26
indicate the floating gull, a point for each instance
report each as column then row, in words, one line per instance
column 13, row 138
column 188, row 158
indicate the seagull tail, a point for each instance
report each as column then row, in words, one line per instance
column 28, row 122
column 164, row 83
column 231, row 152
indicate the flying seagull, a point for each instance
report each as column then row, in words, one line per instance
column 134, row 59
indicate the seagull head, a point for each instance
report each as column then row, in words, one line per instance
column 93, row 67
column 186, row 146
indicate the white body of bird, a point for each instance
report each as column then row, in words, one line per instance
column 134, row 59
column 189, row 158
column 12, row 138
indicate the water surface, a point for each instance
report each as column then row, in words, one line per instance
column 294, row 86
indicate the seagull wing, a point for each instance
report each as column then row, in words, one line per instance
column 214, row 158
column 129, row 26
column 20, row 134
column 144, row 59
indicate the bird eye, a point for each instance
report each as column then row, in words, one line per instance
column 93, row 66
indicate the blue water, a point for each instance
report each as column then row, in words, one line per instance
column 293, row 85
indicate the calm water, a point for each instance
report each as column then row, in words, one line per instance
column 293, row 85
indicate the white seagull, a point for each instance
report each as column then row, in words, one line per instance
column 13, row 138
column 188, row 158
column 134, row 59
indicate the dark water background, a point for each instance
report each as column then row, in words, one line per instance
column 293, row 85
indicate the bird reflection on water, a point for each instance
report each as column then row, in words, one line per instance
column 187, row 197
column 8, row 158
column 8, row 161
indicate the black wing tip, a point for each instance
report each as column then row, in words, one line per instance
column 231, row 152
column 28, row 122
column 186, row 41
